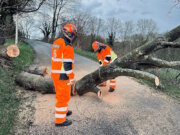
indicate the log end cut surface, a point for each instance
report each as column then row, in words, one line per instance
column 13, row 51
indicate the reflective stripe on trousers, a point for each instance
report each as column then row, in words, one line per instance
column 63, row 90
column 113, row 83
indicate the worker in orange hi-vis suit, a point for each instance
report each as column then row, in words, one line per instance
column 62, row 65
column 105, row 56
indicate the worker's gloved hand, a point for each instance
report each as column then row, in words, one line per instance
column 73, row 90
column 72, row 81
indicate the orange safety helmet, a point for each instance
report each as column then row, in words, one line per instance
column 96, row 46
column 70, row 31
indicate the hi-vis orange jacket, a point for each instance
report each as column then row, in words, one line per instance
column 106, row 55
column 62, row 62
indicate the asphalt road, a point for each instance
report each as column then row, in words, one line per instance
column 133, row 109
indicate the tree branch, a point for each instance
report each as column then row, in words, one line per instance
column 109, row 72
column 155, row 45
column 173, row 34
column 32, row 10
column 161, row 63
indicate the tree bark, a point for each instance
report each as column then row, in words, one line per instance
column 35, row 82
column 37, row 70
column 2, row 40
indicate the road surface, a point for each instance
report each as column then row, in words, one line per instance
column 133, row 109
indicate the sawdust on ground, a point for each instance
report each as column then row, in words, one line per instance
column 132, row 109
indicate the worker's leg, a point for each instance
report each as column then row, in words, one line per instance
column 62, row 89
column 112, row 85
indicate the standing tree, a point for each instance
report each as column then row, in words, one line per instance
column 26, row 25
column 147, row 28
column 56, row 9
column 111, row 39
column 127, row 30
column 113, row 28
column 10, row 7
column 80, row 20
column 44, row 23
column 177, row 3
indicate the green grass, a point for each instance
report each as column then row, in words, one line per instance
column 87, row 54
column 168, row 79
column 9, row 97
column 166, row 76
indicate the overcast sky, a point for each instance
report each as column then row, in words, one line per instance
column 161, row 11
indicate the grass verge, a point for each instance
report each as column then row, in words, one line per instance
column 9, row 96
column 87, row 54
column 169, row 81
column 166, row 76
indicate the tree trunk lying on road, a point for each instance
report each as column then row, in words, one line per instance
column 35, row 82
column 131, row 65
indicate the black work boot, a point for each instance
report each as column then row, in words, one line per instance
column 111, row 89
column 66, row 123
column 69, row 112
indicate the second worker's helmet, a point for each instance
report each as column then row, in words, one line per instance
column 96, row 46
column 70, row 31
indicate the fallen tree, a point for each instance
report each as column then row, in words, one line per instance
column 132, row 64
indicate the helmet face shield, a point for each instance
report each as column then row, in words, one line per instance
column 96, row 46
column 70, row 31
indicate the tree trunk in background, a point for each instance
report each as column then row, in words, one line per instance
column 7, row 27
column 2, row 40
column 7, row 23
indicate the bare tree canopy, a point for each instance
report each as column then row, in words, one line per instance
column 10, row 7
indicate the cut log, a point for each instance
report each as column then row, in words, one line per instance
column 13, row 51
column 35, row 82
column 9, row 52
column 37, row 70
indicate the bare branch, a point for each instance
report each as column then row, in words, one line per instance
column 111, row 72
column 33, row 9
column 160, row 63
column 173, row 34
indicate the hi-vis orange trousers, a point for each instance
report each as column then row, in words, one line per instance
column 63, row 91
column 112, row 84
